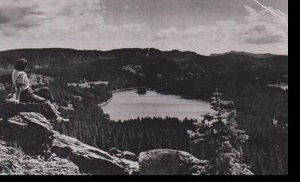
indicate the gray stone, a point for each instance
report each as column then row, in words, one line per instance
column 89, row 159
column 32, row 131
column 170, row 162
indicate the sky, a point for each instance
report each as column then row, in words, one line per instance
column 202, row 26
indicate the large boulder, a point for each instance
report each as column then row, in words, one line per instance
column 11, row 108
column 89, row 159
column 170, row 162
column 32, row 131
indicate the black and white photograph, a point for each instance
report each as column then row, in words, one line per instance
column 143, row 87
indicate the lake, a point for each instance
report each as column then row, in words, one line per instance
column 126, row 105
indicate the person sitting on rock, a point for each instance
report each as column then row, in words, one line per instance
column 24, row 92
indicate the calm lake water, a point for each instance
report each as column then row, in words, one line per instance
column 130, row 105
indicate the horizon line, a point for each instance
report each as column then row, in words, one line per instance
column 211, row 54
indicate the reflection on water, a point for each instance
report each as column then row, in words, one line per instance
column 130, row 105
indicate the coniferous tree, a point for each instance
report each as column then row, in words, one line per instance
column 223, row 139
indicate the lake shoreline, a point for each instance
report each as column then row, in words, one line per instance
column 116, row 91
column 148, row 89
column 127, row 104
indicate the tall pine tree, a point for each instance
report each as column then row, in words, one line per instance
column 222, row 138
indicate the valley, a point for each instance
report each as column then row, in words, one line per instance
column 241, row 78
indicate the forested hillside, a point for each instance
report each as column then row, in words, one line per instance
column 262, row 111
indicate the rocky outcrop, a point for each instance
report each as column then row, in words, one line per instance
column 14, row 161
column 170, row 162
column 88, row 158
column 34, row 133
column 12, row 108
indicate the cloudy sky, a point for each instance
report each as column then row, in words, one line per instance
column 203, row 26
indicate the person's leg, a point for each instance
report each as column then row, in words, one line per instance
column 44, row 92
column 53, row 110
column 31, row 97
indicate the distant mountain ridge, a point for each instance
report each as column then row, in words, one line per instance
column 265, row 55
column 139, row 52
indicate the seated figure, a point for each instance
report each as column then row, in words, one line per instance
column 25, row 94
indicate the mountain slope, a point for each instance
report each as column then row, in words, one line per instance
column 241, row 77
